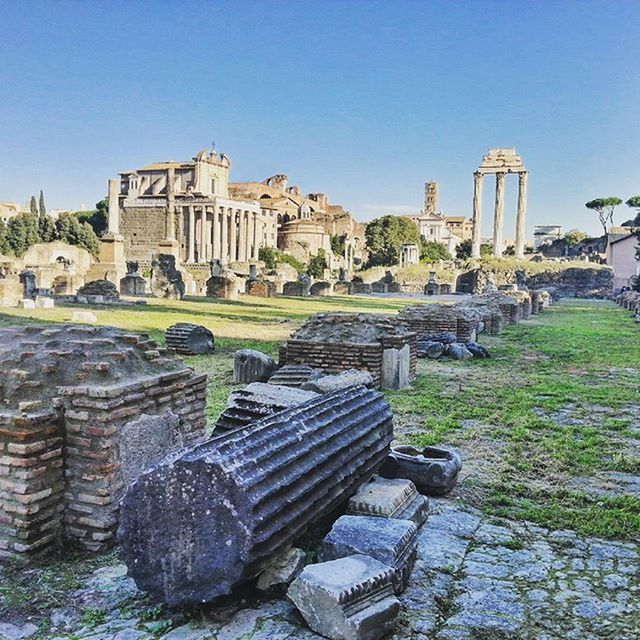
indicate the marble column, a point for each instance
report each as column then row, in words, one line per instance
column 170, row 232
column 224, row 242
column 522, row 213
column 215, row 235
column 256, row 236
column 498, row 220
column 114, row 207
column 202, row 254
column 242, row 240
column 477, row 214
column 191, row 257
column 233, row 249
column 249, row 234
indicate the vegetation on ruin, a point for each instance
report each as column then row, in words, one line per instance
column 272, row 258
column 98, row 218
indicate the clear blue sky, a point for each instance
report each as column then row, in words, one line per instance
column 361, row 100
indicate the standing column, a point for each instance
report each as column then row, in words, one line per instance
column 233, row 249
column 224, row 253
column 170, row 231
column 114, row 207
column 256, row 236
column 215, row 235
column 191, row 257
column 242, row 240
column 249, row 232
column 522, row 213
column 477, row 214
column 202, row 254
column 498, row 220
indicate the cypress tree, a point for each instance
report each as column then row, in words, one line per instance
column 43, row 209
column 33, row 206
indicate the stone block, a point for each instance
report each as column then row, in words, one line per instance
column 389, row 540
column 27, row 303
column 260, row 288
column 347, row 599
column 285, row 568
column 322, row 288
column 189, row 339
column 250, row 365
column 396, row 368
column 294, row 375
column 296, row 288
column 349, row 378
column 43, row 302
column 396, row 498
column 258, row 400
column 225, row 287
column 84, row 316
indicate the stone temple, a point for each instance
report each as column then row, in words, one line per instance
column 84, row 410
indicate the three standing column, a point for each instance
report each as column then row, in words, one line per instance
column 498, row 220
column 522, row 212
column 202, row 254
column 233, row 249
column 191, row 255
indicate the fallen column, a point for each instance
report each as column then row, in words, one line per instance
column 204, row 521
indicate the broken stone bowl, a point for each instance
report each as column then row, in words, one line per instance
column 433, row 470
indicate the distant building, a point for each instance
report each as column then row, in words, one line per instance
column 10, row 210
column 546, row 234
column 460, row 226
column 621, row 257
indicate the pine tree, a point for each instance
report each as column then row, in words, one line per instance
column 42, row 208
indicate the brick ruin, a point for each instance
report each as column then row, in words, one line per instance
column 427, row 319
column 84, row 411
column 335, row 342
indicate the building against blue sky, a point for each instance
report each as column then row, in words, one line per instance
column 362, row 100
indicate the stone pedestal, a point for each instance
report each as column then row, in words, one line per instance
column 111, row 263
column 223, row 287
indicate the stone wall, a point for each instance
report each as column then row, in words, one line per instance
column 144, row 231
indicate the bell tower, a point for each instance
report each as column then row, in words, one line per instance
column 430, row 198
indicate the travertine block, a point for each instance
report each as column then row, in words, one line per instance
column 347, row 599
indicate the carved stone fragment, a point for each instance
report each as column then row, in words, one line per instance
column 189, row 339
column 394, row 498
column 203, row 521
column 252, row 366
column 349, row 378
column 294, row 375
column 389, row 540
column 347, row 599
column 259, row 400
column 282, row 570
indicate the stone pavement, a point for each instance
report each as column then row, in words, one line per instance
column 476, row 578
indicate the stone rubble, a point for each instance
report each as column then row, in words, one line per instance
column 294, row 375
column 250, row 365
column 189, row 339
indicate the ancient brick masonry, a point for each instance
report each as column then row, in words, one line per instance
column 426, row 319
column 84, row 410
column 203, row 521
column 336, row 342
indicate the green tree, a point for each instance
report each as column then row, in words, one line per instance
column 434, row 251
column 272, row 257
column 33, row 206
column 46, row 228
column 463, row 250
column 42, row 209
column 22, row 232
column 604, row 207
column 317, row 264
column 80, row 234
column 574, row 237
column 5, row 249
column 384, row 237
column 338, row 244
column 634, row 203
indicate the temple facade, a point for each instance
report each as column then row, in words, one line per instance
column 185, row 208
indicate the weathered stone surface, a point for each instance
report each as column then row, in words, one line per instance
column 184, row 544
column 396, row 368
column 429, row 349
column 389, row 540
column 396, row 498
column 189, row 339
column 104, row 288
column 223, row 286
column 432, row 470
column 84, row 316
column 297, row 288
column 349, row 378
column 322, row 288
column 166, row 280
column 477, row 350
column 458, row 351
column 294, row 375
column 133, row 284
column 250, row 365
column 347, row 599
column 258, row 400
column 282, row 570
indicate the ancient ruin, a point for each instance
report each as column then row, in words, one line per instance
column 335, row 342
column 277, row 478
column 85, row 410
column 189, row 339
column 429, row 319
column 501, row 162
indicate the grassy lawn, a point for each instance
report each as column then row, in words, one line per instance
column 548, row 426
